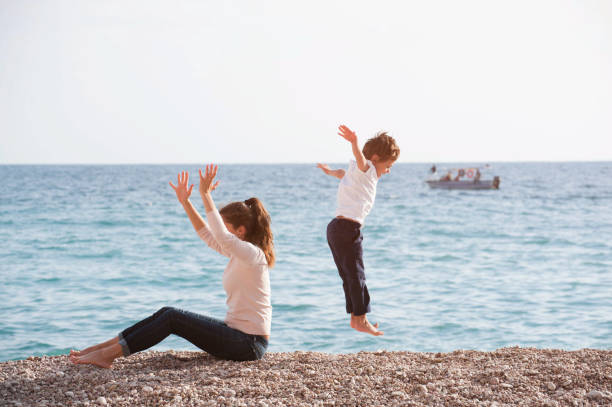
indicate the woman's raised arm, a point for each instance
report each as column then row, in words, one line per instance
column 182, row 194
column 228, row 241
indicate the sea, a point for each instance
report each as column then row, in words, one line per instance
column 87, row 250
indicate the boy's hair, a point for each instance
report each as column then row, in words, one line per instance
column 383, row 146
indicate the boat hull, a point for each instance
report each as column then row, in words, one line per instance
column 466, row 185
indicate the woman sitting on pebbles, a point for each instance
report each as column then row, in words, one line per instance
column 240, row 231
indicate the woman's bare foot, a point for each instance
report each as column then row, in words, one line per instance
column 103, row 357
column 361, row 324
column 95, row 347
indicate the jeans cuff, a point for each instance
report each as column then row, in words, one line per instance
column 124, row 346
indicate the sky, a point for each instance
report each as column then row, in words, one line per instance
column 144, row 81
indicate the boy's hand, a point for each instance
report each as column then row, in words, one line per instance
column 339, row 173
column 324, row 167
column 206, row 180
column 350, row 136
column 347, row 133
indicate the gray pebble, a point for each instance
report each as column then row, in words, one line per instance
column 595, row 395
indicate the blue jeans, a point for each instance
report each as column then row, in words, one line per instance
column 344, row 238
column 208, row 334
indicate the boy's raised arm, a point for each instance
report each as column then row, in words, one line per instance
column 339, row 173
column 351, row 137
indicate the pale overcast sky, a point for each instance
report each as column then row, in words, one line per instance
column 87, row 81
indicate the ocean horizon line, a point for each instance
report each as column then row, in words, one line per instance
column 306, row 163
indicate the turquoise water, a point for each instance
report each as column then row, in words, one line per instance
column 88, row 250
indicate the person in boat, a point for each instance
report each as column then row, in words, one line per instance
column 460, row 174
column 447, row 177
column 433, row 174
column 477, row 176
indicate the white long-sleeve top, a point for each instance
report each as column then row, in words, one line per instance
column 246, row 278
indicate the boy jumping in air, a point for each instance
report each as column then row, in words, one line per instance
column 356, row 194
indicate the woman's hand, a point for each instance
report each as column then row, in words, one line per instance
column 182, row 192
column 206, row 180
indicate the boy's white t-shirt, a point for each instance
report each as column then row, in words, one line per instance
column 356, row 192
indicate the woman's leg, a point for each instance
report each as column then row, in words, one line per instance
column 95, row 347
column 116, row 338
column 102, row 357
column 208, row 334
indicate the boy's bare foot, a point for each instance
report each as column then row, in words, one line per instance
column 102, row 357
column 361, row 324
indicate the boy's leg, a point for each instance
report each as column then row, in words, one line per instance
column 344, row 238
column 352, row 264
column 334, row 240
column 345, row 242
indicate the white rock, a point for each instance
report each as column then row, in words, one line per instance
column 594, row 394
column 102, row 401
column 551, row 386
column 69, row 393
column 147, row 389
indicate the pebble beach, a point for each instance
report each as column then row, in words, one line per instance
column 505, row 377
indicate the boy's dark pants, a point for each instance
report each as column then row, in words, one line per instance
column 344, row 239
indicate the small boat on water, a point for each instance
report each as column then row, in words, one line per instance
column 452, row 179
column 480, row 184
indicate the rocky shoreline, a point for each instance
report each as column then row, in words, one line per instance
column 505, row 377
